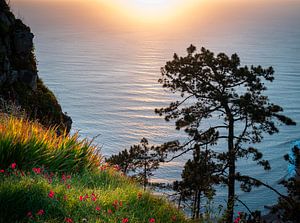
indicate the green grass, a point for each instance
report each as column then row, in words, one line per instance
column 49, row 178
column 29, row 144
column 111, row 198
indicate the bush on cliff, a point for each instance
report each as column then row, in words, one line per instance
column 29, row 144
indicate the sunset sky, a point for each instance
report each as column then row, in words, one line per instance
column 160, row 14
column 104, row 61
column 154, row 10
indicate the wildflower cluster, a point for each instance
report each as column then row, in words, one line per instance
column 61, row 189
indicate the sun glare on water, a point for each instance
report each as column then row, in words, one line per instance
column 149, row 10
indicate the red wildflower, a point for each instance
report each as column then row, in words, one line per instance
column 103, row 167
column 68, row 186
column 109, row 211
column 51, row 194
column 116, row 204
column 151, row 220
column 69, row 177
column 63, row 178
column 13, row 165
column 69, row 220
column 36, row 170
column 93, row 197
column 98, row 208
column 237, row 220
column 125, row 220
column 40, row 212
column 117, row 167
column 80, row 198
column 2, row 171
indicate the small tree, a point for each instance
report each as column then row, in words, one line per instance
column 140, row 159
column 217, row 91
column 198, row 177
column 124, row 160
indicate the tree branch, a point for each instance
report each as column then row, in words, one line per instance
column 241, row 135
column 245, row 206
column 187, row 150
column 269, row 187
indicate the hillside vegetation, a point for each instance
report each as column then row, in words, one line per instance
column 50, row 178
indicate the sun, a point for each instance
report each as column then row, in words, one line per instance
column 150, row 5
column 148, row 10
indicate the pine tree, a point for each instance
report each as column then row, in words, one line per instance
column 221, row 101
column 140, row 160
column 198, row 177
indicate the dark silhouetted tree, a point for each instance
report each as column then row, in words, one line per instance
column 198, row 177
column 288, row 208
column 221, row 101
column 141, row 160
column 124, row 160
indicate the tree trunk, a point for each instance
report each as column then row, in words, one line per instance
column 179, row 201
column 198, row 204
column 145, row 176
column 231, row 176
column 194, row 205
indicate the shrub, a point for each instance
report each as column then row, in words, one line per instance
column 29, row 144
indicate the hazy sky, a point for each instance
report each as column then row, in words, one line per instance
column 165, row 14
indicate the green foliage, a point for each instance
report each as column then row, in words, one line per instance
column 288, row 208
column 218, row 90
column 40, row 104
column 112, row 198
column 198, row 177
column 30, row 144
column 49, row 178
column 141, row 159
column 124, row 160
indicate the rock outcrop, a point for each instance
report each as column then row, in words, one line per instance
column 19, row 80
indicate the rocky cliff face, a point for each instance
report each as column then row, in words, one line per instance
column 19, row 80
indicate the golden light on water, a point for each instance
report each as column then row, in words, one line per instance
column 149, row 10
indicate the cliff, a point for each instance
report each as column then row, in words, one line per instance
column 19, row 80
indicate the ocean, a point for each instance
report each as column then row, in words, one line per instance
column 104, row 71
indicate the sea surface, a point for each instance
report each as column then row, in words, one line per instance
column 104, row 71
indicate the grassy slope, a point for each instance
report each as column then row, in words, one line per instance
column 38, row 195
